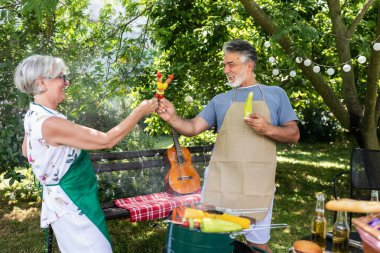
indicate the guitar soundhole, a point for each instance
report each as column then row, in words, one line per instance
column 185, row 178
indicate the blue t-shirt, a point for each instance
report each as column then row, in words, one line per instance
column 281, row 111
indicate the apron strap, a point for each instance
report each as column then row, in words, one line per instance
column 235, row 91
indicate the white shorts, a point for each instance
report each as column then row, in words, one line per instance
column 77, row 234
column 260, row 233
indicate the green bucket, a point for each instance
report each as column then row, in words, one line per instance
column 185, row 240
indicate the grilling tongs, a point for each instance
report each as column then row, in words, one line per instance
column 239, row 212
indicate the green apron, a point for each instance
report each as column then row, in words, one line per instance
column 80, row 185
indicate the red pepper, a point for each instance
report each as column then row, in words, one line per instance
column 185, row 224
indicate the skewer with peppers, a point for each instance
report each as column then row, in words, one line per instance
column 214, row 221
column 161, row 87
column 208, row 221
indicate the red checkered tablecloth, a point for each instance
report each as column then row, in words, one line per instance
column 154, row 206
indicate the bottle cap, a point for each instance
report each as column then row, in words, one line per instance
column 320, row 195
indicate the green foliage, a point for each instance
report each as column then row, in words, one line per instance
column 102, row 64
column 14, row 192
column 204, row 138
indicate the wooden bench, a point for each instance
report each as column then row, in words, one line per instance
column 133, row 161
column 137, row 160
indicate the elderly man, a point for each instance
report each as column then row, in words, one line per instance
column 241, row 173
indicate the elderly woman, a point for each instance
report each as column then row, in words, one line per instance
column 55, row 148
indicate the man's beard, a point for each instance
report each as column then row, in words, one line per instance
column 238, row 80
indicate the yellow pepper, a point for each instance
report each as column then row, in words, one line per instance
column 193, row 213
column 210, row 225
column 248, row 105
column 243, row 222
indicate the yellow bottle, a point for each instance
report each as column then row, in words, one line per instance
column 318, row 223
column 341, row 234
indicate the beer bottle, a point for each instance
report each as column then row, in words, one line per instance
column 318, row 223
column 374, row 195
column 341, row 234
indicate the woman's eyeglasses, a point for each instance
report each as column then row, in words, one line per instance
column 64, row 77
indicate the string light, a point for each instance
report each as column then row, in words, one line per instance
column 376, row 46
column 330, row 71
column 346, row 67
column 316, row 69
column 362, row 59
column 307, row 62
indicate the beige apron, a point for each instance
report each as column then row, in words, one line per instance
column 243, row 163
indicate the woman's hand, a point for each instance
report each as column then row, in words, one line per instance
column 148, row 106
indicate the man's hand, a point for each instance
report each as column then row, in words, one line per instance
column 258, row 123
column 286, row 133
column 165, row 109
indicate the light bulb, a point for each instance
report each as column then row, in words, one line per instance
column 307, row 62
column 275, row 72
column 346, row 68
column 292, row 73
column 298, row 59
column 376, row 46
column 189, row 99
column 330, row 71
column 266, row 44
column 316, row 69
column 362, row 59
column 271, row 59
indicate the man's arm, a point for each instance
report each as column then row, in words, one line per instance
column 286, row 133
column 187, row 127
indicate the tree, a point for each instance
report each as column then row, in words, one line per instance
column 190, row 40
column 357, row 109
column 94, row 50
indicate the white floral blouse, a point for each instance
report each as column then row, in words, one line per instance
column 49, row 164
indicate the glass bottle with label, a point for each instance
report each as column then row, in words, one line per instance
column 341, row 234
column 318, row 223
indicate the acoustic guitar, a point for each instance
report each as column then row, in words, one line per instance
column 181, row 178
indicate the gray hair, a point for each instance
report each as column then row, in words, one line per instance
column 34, row 67
column 242, row 47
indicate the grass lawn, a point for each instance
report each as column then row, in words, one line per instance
column 302, row 171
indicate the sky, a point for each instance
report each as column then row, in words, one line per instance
column 96, row 5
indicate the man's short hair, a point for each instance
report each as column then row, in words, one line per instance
column 241, row 47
